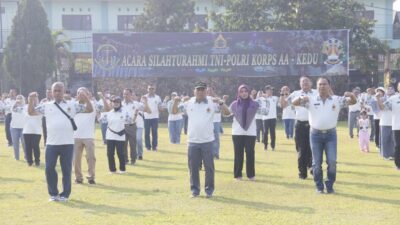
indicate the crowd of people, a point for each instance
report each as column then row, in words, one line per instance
column 309, row 117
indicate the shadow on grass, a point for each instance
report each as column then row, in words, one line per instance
column 363, row 164
column 4, row 196
column 367, row 174
column 288, row 185
column 172, row 152
column 99, row 209
column 128, row 190
column 262, row 206
column 367, row 186
column 162, row 168
column 395, row 202
column 166, row 162
column 14, row 179
column 142, row 176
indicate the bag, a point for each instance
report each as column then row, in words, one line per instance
column 74, row 127
column 120, row 133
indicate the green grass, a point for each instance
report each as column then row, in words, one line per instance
column 156, row 190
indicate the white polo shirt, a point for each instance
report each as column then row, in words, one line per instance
column 393, row 104
column 116, row 121
column 324, row 115
column 174, row 117
column 288, row 112
column 271, row 104
column 301, row 112
column 33, row 124
column 131, row 107
column 153, row 102
column 17, row 117
column 200, row 120
column 59, row 128
column 86, row 125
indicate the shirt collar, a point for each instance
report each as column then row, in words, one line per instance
column 205, row 100
column 307, row 92
column 320, row 99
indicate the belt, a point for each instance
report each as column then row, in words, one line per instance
column 322, row 131
column 299, row 121
column 355, row 111
column 131, row 124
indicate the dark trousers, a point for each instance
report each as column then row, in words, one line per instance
column 397, row 148
column 32, row 146
column 151, row 125
column 44, row 130
column 185, row 123
column 260, row 130
column 269, row 127
column 371, row 121
column 197, row 153
column 302, row 140
column 7, row 127
column 111, row 146
column 377, row 133
column 242, row 143
column 65, row 152
column 130, row 136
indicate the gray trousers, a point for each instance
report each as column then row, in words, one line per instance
column 352, row 122
column 387, row 142
column 130, row 136
column 196, row 154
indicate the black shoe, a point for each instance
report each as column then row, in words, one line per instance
column 37, row 163
column 91, row 182
column 303, row 177
column 30, row 163
column 330, row 191
column 148, row 149
column 140, row 157
column 155, row 149
column 78, row 181
column 133, row 162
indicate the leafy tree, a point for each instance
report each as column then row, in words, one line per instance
column 29, row 54
column 62, row 45
column 165, row 16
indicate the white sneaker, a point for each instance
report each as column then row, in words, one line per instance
column 121, row 172
column 53, row 198
column 62, row 199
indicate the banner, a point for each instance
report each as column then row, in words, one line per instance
column 247, row 54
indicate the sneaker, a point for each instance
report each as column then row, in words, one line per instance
column 252, row 179
column 302, row 177
column 148, row 149
column 320, row 191
column 91, row 182
column 194, row 196
column 133, row 162
column 140, row 157
column 122, row 172
column 209, row 196
column 155, row 149
column 53, row 198
column 330, row 191
column 112, row 172
column 238, row 178
column 78, row 181
column 37, row 163
column 30, row 164
column 63, row 199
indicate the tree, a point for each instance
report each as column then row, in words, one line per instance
column 62, row 45
column 29, row 54
column 271, row 15
column 165, row 16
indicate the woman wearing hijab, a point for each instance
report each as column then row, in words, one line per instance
column 244, row 110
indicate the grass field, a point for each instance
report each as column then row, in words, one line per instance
column 156, row 190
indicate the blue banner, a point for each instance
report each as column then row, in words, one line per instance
column 247, row 54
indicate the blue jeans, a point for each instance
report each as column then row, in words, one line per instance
column 104, row 131
column 289, row 126
column 139, row 141
column 65, row 152
column 217, row 132
column 320, row 142
column 175, row 128
column 153, row 125
column 16, row 136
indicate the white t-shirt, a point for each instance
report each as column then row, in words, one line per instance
column 8, row 103
column 393, row 104
column 86, row 125
column 301, row 112
column 116, row 121
column 59, row 128
column 174, row 117
column 324, row 115
column 200, row 120
column 288, row 112
column 153, row 103
column 356, row 107
column 270, row 103
column 33, row 124
column 17, row 117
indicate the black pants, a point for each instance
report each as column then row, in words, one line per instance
column 130, row 136
column 269, row 126
column 302, row 139
column 377, row 133
column 7, row 127
column 44, row 130
column 32, row 145
column 111, row 146
column 241, row 144
column 185, row 125
column 260, row 130
column 397, row 147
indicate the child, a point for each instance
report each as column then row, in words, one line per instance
column 363, row 125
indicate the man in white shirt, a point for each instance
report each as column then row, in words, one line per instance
column 323, row 111
column 60, row 139
column 8, row 102
column 217, row 124
column 151, row 119
column 200, row 110
column 84, row 139
column 302, row 127
column 270, row 103
column 354, row 112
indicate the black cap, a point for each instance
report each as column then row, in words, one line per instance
column 200, row 85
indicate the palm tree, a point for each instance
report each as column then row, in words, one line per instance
column 62, row 46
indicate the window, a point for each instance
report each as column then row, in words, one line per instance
column 77, row 22
column 126, row 22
